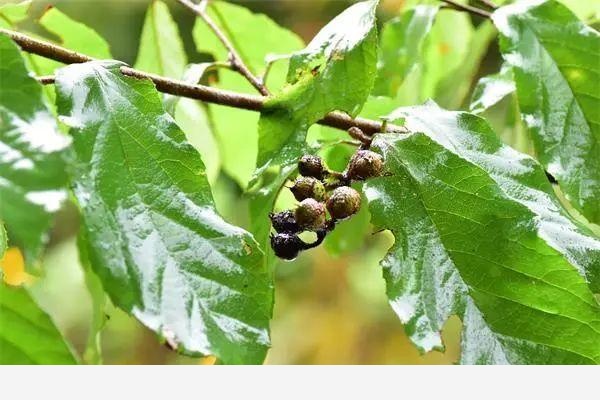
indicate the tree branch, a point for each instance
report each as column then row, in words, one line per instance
column 473, row 10
column 234, row 58
column 182, row 89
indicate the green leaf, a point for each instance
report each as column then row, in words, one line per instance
column 161, row 52
column 336, row 71
column 162, row 252
column 93, row 348
column 193, row 119
column 256, row 37
column 490, row 90
column 453, row 89
column 445, row 50
column 480, row 233
column 12, row 14
column 583, row 9
column 554, row 58
column 27, row 334
column 73, row 35
column 32, row 170
column 401, row 47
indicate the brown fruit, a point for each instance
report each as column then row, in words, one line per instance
column 365, row 164
column 343, row 202
column 310, row 214
column 308, row 187
column 312, row 166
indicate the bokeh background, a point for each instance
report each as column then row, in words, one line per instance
column 330, row 306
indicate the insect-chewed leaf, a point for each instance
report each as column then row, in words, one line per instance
column 155, row 239
column 556, row 66
column 480, row 233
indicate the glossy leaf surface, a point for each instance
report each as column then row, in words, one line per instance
column 555, row 59
column 155, row 239
column 490, row 90
column 27, row 334
column 32, row 170
column 480, row 233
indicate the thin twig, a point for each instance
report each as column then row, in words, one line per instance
column 179, row 88
column 470, row 9
column 45, row 80
column 234, row 57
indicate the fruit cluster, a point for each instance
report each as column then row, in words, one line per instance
column 321, row 192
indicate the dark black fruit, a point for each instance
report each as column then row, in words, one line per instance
column 343, row 202
column 286, row 245
column 365, row 164
column 310, row 215
column 308, row 187
column 311, row 166
column 284, row 221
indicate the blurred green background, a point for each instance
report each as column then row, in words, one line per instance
column 330, row 309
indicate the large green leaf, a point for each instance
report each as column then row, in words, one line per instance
column 161, row 52
column 155, row 239
column 555, row 59
column 401, row 46
column 255, row 36
column 27, row 334
column 336, row 71
column 32, row 171
column 480, row 233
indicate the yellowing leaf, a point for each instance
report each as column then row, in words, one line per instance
column 13, row 268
